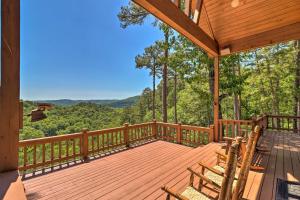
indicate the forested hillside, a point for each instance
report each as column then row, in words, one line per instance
column 70, row 119
column 115, row 103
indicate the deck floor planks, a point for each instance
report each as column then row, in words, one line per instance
column 139, row 173
column 279, row 162
column 157, row 176
column 111, row 176
column 76, row 174
column 102, row 167
column 81, row 169
column 294, row 157
column 267, row 186
column 180, row 181
column 114, row 161
column 254, row 182
column 288, row 166
column 126, row 177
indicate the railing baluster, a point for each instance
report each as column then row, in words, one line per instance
column 92, row 144
column 227, row 134
column 103, row 141
column 44, row 153
column 67, row 148
column 98, row 143
column 74, row 148
column 59, row 149
column 110, row 140
column 232, row 124
column 34, row 154
column 25, row 156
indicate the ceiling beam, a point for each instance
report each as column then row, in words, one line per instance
column 197, row 12
column 166, row 11
column 282, row 34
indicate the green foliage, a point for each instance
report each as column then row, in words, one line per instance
column 70, row 119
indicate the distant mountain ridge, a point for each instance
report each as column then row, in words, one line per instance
column 115, row 103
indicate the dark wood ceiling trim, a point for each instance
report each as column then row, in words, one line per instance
column 171, row 15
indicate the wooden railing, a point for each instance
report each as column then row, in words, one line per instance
column 185, row 134
column 139, row 132
column 282, row 122
column 233, row 128
column 50, row 151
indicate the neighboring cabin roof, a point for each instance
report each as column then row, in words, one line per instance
column 252, row 24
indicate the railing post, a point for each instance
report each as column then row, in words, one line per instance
column 178, row 131
column 126, row 135
column 154, row 129
column 85, row 144
column 211, row 133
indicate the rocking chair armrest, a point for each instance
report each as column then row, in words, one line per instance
column 221, row 155
column 173, row 193
column 201, row 176
column 230, row 139
column 211, row 169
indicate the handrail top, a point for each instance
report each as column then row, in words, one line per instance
column 51, row 138
column 235, row 120
column 283, row 116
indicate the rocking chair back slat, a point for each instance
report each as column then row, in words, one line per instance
column 231, row 164
column 246, row 163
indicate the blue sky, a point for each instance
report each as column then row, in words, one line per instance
column 76, row 49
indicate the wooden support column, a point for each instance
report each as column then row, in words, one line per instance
column 85, row 144
column 9, row 85
column 216, row 97
column 126, row 135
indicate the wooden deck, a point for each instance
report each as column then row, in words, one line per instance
column 139, row 173
column 283, row 161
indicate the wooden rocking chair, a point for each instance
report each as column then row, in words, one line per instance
column 213, row 176
column 221, row 155
column 225, row 192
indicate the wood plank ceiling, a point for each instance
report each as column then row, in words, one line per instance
column 249, row 24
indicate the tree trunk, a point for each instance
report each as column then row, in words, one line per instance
column 237, row 102
column 236, row 107
column 175, row 96
column 273, row 87
column 165, row 78
column 262, row 90
column 297, row 86
column 153, row 95
column 211, row 77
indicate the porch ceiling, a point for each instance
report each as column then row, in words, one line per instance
column 252, row 24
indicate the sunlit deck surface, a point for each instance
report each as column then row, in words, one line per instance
column 139, row 173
